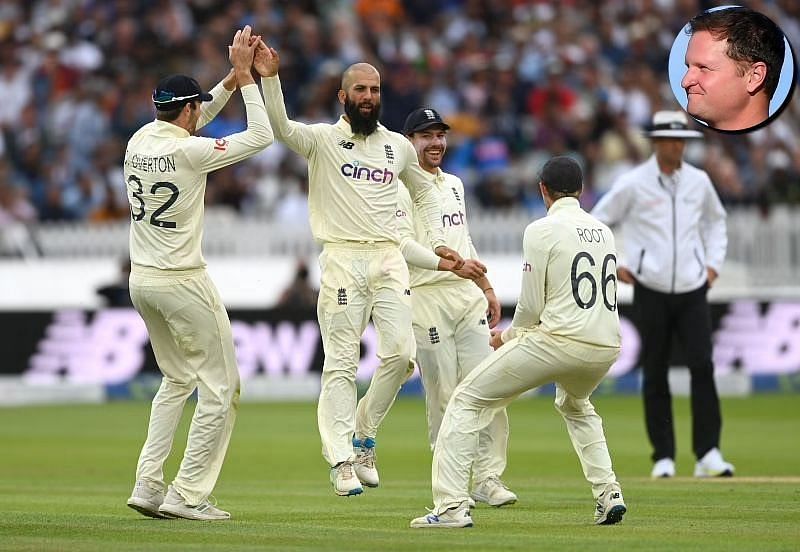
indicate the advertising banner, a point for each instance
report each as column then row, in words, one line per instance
column 110, row 347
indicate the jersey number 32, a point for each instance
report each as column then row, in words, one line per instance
column 138, row 212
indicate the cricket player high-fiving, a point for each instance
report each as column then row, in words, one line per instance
column 165, row 171
column 353, row 169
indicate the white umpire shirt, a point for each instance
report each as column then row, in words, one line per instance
column 165, row 173
column 673, row 225
column 353, row 180
column 415, row 239
column 569, row 286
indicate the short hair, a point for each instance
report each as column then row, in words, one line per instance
column 172, row 114
column 751, row 37
column 562, row 177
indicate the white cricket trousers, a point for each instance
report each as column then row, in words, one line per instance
column 452, row 337
column 193, row 345
column 528, row 361
column 359, row 281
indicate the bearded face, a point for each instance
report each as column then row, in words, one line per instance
column 363, row 114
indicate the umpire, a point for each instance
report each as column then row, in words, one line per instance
column 675, row 240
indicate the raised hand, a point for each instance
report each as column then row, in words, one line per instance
column 266, row 61
column 241, row 53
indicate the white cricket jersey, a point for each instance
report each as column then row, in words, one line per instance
column 165, row 174
column 569, row 278
column 353, row 179
column 415, row 240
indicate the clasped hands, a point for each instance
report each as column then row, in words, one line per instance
column 470, row 269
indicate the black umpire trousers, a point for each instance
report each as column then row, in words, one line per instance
column 660, row 316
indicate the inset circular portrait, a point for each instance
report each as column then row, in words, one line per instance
column 732, row 69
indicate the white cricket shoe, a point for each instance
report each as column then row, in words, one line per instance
column 146, row 500
column 665, row 467
column 713, row 465
column 453, row 518
column 610, row 507
column 175, row 506
column 364, row 464
column 344, row 480
column 471, row 503
column 493, row 492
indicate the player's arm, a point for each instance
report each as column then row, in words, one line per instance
column 493, row 309
column 713, row 231
column 417, row 254
column 298, row 137
column 208, row 154
column 534, row 271
column 221, row 93
column 493, row 305
column 421, row 188
column 414, row 253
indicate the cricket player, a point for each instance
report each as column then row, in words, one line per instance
column 449, row 312
column 353, row 169
column 165, row 171
column 565, row 330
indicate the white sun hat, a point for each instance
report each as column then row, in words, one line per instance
column 671, row 124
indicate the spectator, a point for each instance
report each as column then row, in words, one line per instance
column 117, row 294
column 299, row 294
column 535, row 75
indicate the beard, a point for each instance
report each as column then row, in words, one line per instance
column 358, row 122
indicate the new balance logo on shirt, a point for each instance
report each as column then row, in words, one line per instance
column 455, row 193
column 346, row 145
column 341, row 296
column 433, row 334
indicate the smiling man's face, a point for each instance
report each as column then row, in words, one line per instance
column 430, row 144
column 716, row 86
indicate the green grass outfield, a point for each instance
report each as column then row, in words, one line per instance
column 66, row 472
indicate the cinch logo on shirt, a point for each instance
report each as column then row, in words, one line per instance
column 456, row 219
column 355, row 172
column 526, row 266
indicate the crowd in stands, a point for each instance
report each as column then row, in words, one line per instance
column 517, row 80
